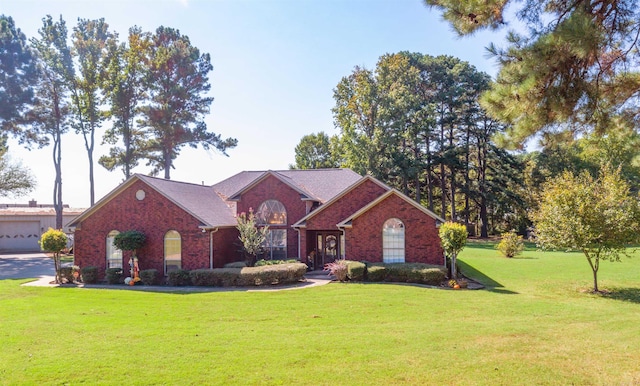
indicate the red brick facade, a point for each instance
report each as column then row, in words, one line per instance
column 345, row 206
column 422, row 243
column 155, row 215
column 272, row 188
column 159, row 213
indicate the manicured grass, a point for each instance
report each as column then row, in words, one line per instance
column 533, row 325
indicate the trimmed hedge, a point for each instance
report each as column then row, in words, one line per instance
column 398, row 272
column 249, row 276
column 219, row 277
column 114, row 276
column 89, row 275
column 149, row 276
column 376, row 272
column 178, row 278
column 415, row 273
column 356, row 270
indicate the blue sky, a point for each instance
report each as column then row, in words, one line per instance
column 275, row 66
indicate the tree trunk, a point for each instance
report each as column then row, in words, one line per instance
column 467, row 179
column 428, row 179
column 594, row 263
column 454, row 271
column 443, row 187
column 452, row 183
column 126, row 138
column 92, row 194
column 57, row 163
column 167, row 165
column 482, row 190
column 56, row 265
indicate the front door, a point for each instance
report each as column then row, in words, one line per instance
column 327, row 248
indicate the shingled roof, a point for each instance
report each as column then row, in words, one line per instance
column 316, row 184
column 200, row 201
column 213, row 205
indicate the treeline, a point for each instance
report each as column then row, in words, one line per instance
column 149, row 93
column 415, row 123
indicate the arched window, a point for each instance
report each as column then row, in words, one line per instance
column 172, row 251
column 114, row 255
column 393, row 241
column 271, row 212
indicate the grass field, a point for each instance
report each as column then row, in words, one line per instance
column 534, row 324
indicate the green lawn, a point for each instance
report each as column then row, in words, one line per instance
column 535, row 324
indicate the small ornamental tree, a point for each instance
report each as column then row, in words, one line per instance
column 54, row 241
column 251, row 236
column 598, row 217
column 453, row 237
column 129, row 241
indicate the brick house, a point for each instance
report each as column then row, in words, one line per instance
column 315, row 216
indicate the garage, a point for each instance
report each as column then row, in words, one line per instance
column 21, row 225
column 19, row 236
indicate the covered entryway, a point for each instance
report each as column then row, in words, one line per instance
column 19, row 236
column 327, row 247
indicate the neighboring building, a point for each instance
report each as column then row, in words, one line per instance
column 320, row 214
column 21, row 225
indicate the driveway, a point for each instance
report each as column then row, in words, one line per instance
column 22, row 266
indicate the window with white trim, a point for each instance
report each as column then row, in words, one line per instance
column 275, row 245
column 114, row 255
column 393, row 241
column 172, row 251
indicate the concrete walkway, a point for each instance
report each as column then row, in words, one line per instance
column 47, row 281
column 41, row 268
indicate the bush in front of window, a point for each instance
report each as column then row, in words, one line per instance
column 178, row 278
column 415, row 273
column 376, row 272
column 89, row 275
column 114, row 276
column 355, row 270
column 149, row 276
column 219, row 277
column 286, row 273
column 249, row 276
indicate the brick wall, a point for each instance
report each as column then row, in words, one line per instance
column 271, row 188
column 344, row 207
column 422, row 243
column 225, row 249
column 154, row 216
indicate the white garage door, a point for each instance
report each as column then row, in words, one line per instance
column 19, row 236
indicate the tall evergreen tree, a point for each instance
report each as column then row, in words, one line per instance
column 91, row 40
column 17, row 77
column 573, row 68
column 178, row 83
column 51, row 114
column 125, row 90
